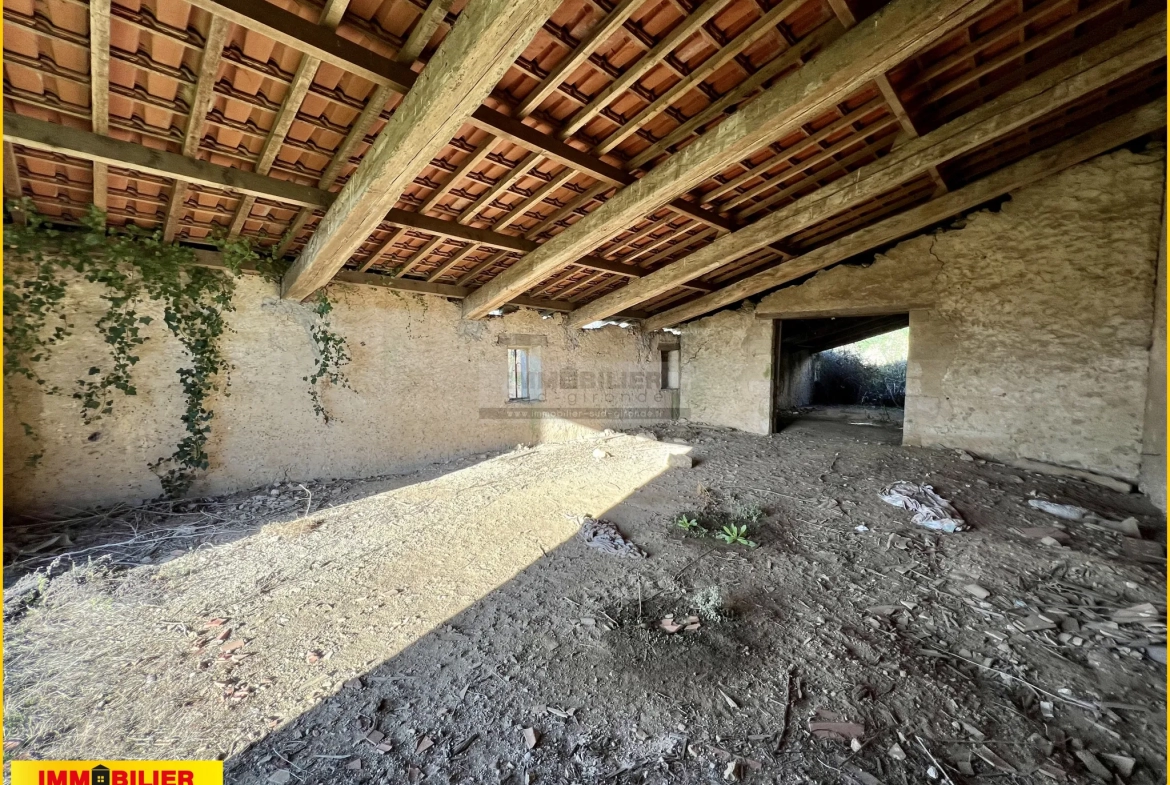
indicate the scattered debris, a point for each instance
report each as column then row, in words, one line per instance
column 531, row 737
column 1122, row 764
column 997, row 762
column 1068, row 512
column 1145, row 613
column 1046, row 533
column 930, row 510
column 1095, row 767
column 678, row 460
column 976, row 590
column 840, row 731
column 605, row 537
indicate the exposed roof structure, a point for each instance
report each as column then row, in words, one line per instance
column 642, row 157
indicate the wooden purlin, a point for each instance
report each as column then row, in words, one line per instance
column 99, row 83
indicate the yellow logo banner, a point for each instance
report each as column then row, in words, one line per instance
column 117, row 772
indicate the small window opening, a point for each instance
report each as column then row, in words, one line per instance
column 670, row 369
column 524, row 374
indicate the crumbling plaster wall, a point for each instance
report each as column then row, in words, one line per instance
column 727, row 371
column 1029, row 326
column 427, row 385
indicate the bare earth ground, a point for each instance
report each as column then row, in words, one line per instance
column 410, row 628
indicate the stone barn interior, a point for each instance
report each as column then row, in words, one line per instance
column 438, row 390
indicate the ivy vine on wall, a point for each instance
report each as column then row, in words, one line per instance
column 134, row 266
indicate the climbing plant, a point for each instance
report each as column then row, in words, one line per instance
column 331, row 356
column 133, row 265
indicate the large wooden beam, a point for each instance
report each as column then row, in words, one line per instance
column 1104, row 64
column 99, row 90
column 1095, row 141
column 488, row 36
column 875, row 46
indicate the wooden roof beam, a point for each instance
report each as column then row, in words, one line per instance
column 481, row 46
column 682, row 31
column 790, row 58
column 200, row 105
column 1104, row 64
column 214, row 259
column 1095, row 141
column 99, row 91
column 881, row 42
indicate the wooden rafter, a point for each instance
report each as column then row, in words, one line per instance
column 908, row 125
column 422, row 32
column 99, row 90
column 791, row 58
column 682, row 31
column 41, row 135
column 293, row 98
column 1035, row 167
column 574, row 59
column 214, row 259
column 467, row 65
column 724, row 55
column 902, row 26
column 200, row 107
column 1117, row 57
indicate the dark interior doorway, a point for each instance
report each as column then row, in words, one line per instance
column 849, row 368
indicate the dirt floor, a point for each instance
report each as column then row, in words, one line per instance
column 450, row 626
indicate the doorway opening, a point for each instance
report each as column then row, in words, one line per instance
column 847, row 369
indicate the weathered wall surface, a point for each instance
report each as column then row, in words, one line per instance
column 426, row 386
column 1030, row 327
column 794, row 376
column 727, row 371
column 1153, row 469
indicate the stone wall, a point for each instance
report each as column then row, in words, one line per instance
column 727, row 371
column 1153, row 469
column 427, row 385
column 1029, row 325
